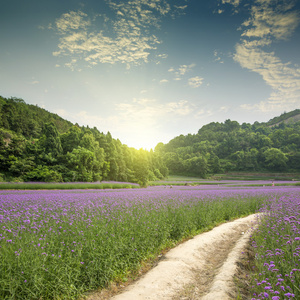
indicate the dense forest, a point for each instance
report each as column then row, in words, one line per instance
column 224, row 147
column 36, row 145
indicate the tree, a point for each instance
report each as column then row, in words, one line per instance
column 51, row 141
column 197, row 166
column 141, row 167
column 275, row 159
column 70, row 139
column 214, row 164
column 83, row 165
column 43, row 173
column 20, row 166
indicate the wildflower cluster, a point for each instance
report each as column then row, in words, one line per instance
column 59, row 244
column 277, row 249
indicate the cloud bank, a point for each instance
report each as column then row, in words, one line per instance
column 270, row 21
column 125, row 37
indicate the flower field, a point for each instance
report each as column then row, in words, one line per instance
column 58, row 244
column 277, row 249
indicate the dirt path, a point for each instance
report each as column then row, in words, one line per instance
column 201, row 268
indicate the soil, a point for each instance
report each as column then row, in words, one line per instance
column 204, row 267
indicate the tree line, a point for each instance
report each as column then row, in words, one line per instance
column 36, row 145
column 224, row 147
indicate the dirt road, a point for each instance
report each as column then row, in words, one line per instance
column 201, row 268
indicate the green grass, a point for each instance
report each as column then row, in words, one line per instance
column 178, row 180
column 276, row 244
column 174, row 178
column 257, row 176
column 64, row 186
column 174, row 183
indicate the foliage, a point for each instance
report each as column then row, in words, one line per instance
column 276, row 243
column 36, row 145
column 66, row 186
column 229, row 146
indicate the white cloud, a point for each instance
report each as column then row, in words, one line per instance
column 185, row 68
column 142, row 110
column 232, row 2
column 269, row 23
column 195, row 82
column 181, row 7
column 72, row 21
column 125, row 38
column 218, row 58
column 163, row 56
column 181, row 70
column 164, row 81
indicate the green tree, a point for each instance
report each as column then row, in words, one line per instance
column 51, row 140
column 83, row 165
column 197, row 166
column 275, row 159
column 43, row 173
column 214, row 164
column 141, row 168
column 70, row 139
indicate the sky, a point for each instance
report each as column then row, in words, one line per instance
column 150, row 70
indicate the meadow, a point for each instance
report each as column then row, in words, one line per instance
column 276, row 244
column 66, row 185
column 58, row 244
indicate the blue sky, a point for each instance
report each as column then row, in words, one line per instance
column 150, row 70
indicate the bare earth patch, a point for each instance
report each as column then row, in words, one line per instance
column 201, row 268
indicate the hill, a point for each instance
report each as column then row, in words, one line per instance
column 27, row 119
column 36, row 145
column 222, row 147
column 286, row 118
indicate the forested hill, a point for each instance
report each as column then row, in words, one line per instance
column 221, row 147
column 287, row 118
column 27, row 119
column 36, row 145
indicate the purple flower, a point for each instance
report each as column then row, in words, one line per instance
column 289, row 295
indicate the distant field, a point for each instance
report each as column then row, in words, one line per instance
column 229, row 180
column 67, row 186
column 182, row 178
column 257, row 176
